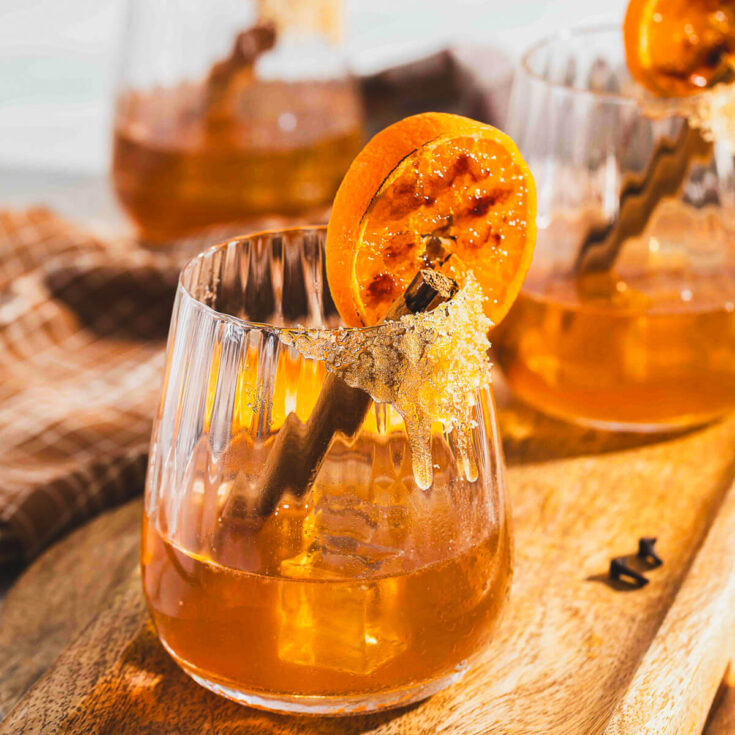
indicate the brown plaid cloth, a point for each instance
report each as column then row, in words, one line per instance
column 83, row 325
column 82, row 330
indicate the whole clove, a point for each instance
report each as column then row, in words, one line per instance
column 621, row 572
column 647, row 553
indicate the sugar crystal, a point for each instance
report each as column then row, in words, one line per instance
column 429, row 366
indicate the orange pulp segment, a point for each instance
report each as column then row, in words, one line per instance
column 676, row 48
column 428, row 186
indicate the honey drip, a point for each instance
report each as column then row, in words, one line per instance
column 429, row 366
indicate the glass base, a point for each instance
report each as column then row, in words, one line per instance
column 331, row 706
column 679, row 424
column 586, row 422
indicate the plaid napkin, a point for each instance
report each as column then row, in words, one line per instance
column 82, row 330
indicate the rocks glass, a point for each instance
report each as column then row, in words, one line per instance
column 359, row 592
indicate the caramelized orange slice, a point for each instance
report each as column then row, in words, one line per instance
column 428, row 186
column 676, row 48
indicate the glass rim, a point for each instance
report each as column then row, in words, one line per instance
column 618, row 98
column 263, row 326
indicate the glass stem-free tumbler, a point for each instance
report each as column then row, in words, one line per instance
column 231, row 110
column 367, row 590
column 641, row 337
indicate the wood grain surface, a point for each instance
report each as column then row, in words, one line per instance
column 722, row 717
column 564, row 658
column 60, row 594
column 688, row 647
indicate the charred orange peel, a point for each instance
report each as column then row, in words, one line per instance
column 427, row 187
column 676, row 48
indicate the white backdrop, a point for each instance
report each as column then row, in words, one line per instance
column 57, row 60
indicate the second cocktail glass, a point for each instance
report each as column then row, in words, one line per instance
column 646, row 341
column 367, row 591
column 229, row 111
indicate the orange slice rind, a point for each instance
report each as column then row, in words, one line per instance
column 426, row 187
column 676, row 48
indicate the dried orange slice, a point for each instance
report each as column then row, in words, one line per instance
column 430, row 183
column 676, row 48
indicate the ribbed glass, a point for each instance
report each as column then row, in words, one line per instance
column 585, row 127
column 364, row 592
column 622, row 338
column 228, row 111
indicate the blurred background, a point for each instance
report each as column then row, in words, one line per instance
column 59, row 63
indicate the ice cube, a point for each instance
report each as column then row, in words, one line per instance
column 331, row 621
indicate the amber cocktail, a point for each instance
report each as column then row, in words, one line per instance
column 378, row 584
column 645, row 339
column 176, row 172
column 290, row 613
column 231, row 111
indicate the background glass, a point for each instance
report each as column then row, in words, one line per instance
column 650, row 343
column 231, row 109
column 367, row 592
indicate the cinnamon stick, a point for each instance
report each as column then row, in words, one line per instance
column 299, row 448
column 639, row 198
column 221, row 86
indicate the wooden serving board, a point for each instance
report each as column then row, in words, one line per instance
column 574, row 655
